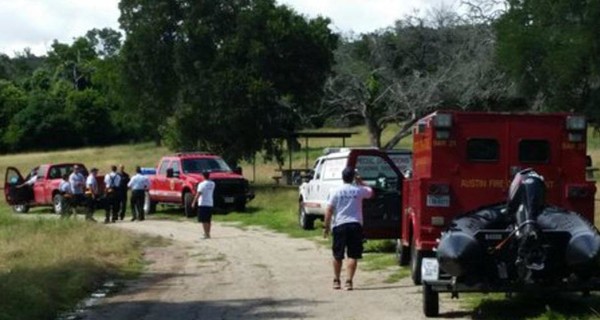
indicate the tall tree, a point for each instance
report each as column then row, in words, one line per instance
column 552, row 50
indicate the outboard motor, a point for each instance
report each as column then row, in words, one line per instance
column 526, row 201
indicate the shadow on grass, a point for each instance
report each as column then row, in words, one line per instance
column 543, row 305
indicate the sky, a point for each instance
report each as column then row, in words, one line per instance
column 35, row 24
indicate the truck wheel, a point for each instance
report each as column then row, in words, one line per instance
column 431, row 301
column 306, row 221
column 21, row 208
column 416, row 257
column 240, row 206
column 187, row 204
column 402, row 253
column 58, row 204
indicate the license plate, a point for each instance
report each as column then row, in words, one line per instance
column 438, row 201
column 228, row 199
column 429, row 269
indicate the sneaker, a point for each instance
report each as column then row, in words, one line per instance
column 348, row 285
column 337, row 285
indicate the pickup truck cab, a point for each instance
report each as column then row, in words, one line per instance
column 43, row 192
column 381, row 214
column 177, row 177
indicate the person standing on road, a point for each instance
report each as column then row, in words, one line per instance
column 122, row 192
column 77, row 182
column 204, row 200
column 92, row 193
column 344, row 218
column 139, row 183
column 112, row 182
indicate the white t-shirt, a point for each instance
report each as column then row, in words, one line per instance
column 31, row 180
column 139, row 182
column 206, row 189
column 65, row 187
column 92, row 184
column 112, row 180
column 77, row 182
column 347, row 203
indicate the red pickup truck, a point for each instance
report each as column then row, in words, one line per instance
column 44, row 191
column 177, row 177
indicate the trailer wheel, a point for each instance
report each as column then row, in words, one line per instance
column 431, row 301
column 416, row 257
column 402, row 253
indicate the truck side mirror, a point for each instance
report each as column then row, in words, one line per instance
column 238, row 170
column 170, row 173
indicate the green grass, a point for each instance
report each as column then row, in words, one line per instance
column 545, row 305
column 47, row 265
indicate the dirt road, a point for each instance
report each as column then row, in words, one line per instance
column 252, row 274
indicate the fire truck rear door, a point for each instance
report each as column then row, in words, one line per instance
column 535, row 143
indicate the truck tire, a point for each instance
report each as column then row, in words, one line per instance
column 306, row 221
column 416, row 257
column 402, row 253
column 431, row 301
column 58, row 204
column 21, row 208
column 188, row 210
column 240, row 206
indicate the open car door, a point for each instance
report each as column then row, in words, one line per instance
column 13, row 195
column 381, row 213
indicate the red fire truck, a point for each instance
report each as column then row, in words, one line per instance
column 465, row 160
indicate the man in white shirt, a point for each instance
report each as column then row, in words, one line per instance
column 92, row 192
column 112, row 181
column 138, row 184
column 204, row 200
column 77, row 182
column 344, row 217
column 64, row 188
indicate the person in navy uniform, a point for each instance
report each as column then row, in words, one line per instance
column 122, row 192
column 344, row 219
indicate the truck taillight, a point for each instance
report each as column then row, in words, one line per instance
column 438, row 188
column 576, row 126
column 442, row 124
column 578, row 192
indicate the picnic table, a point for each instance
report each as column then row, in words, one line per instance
column 293, row 176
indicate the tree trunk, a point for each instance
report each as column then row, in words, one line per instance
column 404, row 131
column 374, row 132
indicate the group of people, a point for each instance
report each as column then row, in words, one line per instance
column 78, row 190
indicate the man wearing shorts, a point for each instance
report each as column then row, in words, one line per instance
column 204, row 200
column 344, row 218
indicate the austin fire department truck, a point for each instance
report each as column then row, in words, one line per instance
column 465, row 160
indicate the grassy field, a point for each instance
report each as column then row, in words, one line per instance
column 38, row 267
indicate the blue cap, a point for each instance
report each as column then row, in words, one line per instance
column 348, row 174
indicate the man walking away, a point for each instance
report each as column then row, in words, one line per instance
column 64, row 188
column 77, row 182
column 92, row 193
column 122, row 192
column 344, row 217
column 204, row 200
column 138, row 184
column 112, row 182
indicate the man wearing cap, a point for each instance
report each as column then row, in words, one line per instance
column 112, row 183
column 344, row 219
column 139, row 184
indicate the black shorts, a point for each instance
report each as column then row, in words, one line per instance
column 204, row 214
column 347, row 238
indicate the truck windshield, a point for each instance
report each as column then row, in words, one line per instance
column 206, row 164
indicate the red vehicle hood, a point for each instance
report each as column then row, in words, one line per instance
column 214, row 176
